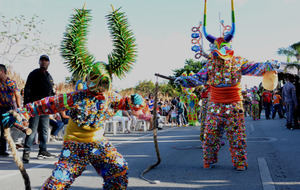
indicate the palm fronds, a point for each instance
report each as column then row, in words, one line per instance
column 286, row 51
column 121, row 59
column 73, row 46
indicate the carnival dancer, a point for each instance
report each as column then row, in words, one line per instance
column 255, row 104
column 223, row 74
column 84, row 142
column 246, row 102
column 191, row 101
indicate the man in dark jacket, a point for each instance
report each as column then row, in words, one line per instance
column 290, row 100
column 39, row 85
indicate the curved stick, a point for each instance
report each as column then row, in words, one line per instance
column 154, row 139
column 17, row 159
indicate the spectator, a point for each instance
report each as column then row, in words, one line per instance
column 173, row 115
column 166, row 109
column 141, row 110
column 17, row 135
column 9, row 99
column 180, row 112
column 297, row 85
column 150, row 103
column 58, row 122
column 290, row 101
column 267, row 101
column 123, row 116
column 277, row 105
column 168, row 106
column 260, row 92
column 174, row 101
column 39, row 85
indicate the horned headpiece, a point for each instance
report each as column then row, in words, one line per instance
column 228, row 36
column 82, row 64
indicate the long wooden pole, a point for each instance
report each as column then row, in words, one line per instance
column 16, row 157
column 155, row 124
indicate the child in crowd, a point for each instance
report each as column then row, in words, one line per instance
column 173, row 114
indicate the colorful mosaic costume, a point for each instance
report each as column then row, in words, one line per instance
column 223, row 74
column 204, row 99
column 83, row 141
column 247, row 103
column 255, row 104
column 191, row 100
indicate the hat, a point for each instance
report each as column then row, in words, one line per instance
column 136, row 99
column 46, row 57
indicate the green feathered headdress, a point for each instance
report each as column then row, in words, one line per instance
column 80, row 62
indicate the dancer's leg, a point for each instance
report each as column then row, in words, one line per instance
column 237, row 139
column 110, row 165
column 72, row 162
column 203, row 118
column 211, row 143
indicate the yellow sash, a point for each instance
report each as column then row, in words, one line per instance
column 85, row 134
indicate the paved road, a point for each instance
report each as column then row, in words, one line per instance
column 273, row 153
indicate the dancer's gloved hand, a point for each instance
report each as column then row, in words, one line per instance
column 10, row 118
column 178, row 81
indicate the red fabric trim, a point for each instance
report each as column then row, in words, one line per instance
column 226, row 94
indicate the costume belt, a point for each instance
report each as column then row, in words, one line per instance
column 226, row 95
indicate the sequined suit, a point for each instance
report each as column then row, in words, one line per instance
column 225, row 107
column 255, row 106
column 203, row 112
column 83, row 141
column 191, row 100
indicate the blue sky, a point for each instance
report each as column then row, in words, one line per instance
column 162, row 29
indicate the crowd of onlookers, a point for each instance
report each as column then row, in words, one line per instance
column 283, row 101
column 169, row 112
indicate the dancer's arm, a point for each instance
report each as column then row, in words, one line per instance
column 258, row 69
column 51, row 105
column 46, row 106
column 197, row 79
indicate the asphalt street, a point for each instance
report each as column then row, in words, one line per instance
column 273, row 156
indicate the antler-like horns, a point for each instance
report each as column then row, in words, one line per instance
column 209, row 37
column 229, row 36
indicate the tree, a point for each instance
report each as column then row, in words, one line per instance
column 167, row 89
column 288, row 52
column 20, row 37
column 146, row 86
column 190, row 65
column 296, row 47
column 291, row 52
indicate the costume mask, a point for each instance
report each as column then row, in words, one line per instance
column 97, row 79
column 220, row 47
